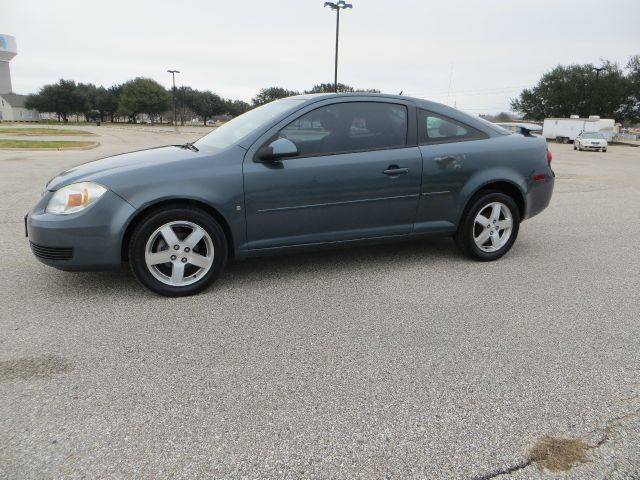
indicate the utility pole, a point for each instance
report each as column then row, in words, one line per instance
column 175, row 108
column 337, row 6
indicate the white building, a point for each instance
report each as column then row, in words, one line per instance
column 12, row 109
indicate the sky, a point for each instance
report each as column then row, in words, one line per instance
column 475, row 55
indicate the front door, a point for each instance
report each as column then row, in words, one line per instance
column 355, row 177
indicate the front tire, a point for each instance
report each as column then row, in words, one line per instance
column 489, row 227
column 177, row 252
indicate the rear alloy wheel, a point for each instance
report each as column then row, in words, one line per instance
column 177, row 252
column 489, row 227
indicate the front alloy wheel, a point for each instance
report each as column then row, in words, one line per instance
column 177, row 252
column 489, row 226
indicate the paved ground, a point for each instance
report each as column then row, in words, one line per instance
column 398, row 361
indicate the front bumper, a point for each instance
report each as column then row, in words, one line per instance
column 593, row 147
column 87, row 240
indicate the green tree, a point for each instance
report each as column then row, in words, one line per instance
column 90, row 93
column 629, row 110
column 185, row 98
column 574, row 89
column 329, row 88
column 106, row 101
column 236, row 107
column 62, row 98
column 143, row 95
column 342, row 88
column 500, row 117
column 207, row 104
column 270, row 94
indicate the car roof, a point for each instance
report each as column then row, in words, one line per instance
column 325, row 96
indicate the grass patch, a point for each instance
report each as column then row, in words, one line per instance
column 63, row 144
column 43, row 131
column 559, row 454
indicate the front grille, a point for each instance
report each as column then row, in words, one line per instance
column 52, row 253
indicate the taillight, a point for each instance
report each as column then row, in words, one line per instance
column 549, row 156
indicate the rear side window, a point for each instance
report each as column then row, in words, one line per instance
column 348, row 127
column 434, row 128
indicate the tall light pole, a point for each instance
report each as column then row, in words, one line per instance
column 593, row 90
column 337, row 6
column 175, row 108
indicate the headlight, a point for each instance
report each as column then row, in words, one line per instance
column 75, row 197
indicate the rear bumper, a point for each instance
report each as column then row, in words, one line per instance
column 539, row 194
column 88, row 240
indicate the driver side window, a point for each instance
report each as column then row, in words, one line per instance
column 348, row 127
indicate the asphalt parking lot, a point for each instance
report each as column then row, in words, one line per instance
column 396, row 361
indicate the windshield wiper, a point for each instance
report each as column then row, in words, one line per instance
column 190, row 146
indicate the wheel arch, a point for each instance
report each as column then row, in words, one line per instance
column 175, row 202
column 503, row 186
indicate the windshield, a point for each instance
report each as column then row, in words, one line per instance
column 235, row 130
column 592, row 135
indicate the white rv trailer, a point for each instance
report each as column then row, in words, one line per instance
column 566, row 130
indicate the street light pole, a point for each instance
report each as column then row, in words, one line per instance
column 175, row 108
column 597, row 70
column 337, row 6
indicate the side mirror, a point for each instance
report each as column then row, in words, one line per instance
column 276, row 150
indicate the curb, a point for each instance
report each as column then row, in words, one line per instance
column 86, row 147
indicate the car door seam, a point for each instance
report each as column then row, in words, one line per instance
column 297, row 207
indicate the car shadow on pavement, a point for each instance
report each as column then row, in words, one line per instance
column 342, row 260
column 245, row 273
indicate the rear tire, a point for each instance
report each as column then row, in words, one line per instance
column 178, row 251
column 489, row 226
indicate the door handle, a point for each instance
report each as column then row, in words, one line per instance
column 395, row 170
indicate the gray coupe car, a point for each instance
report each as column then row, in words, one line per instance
column 304, row 172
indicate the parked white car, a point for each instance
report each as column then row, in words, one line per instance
column 590, row 141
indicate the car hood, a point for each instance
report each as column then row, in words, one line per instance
column 133, row 161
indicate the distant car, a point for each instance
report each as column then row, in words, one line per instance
column 590, row 141
column 305, row 172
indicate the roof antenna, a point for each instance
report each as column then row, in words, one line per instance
column 401, row 92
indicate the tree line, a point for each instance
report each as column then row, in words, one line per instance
column 129, row 100
column 609, row 91
column 144, row 96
